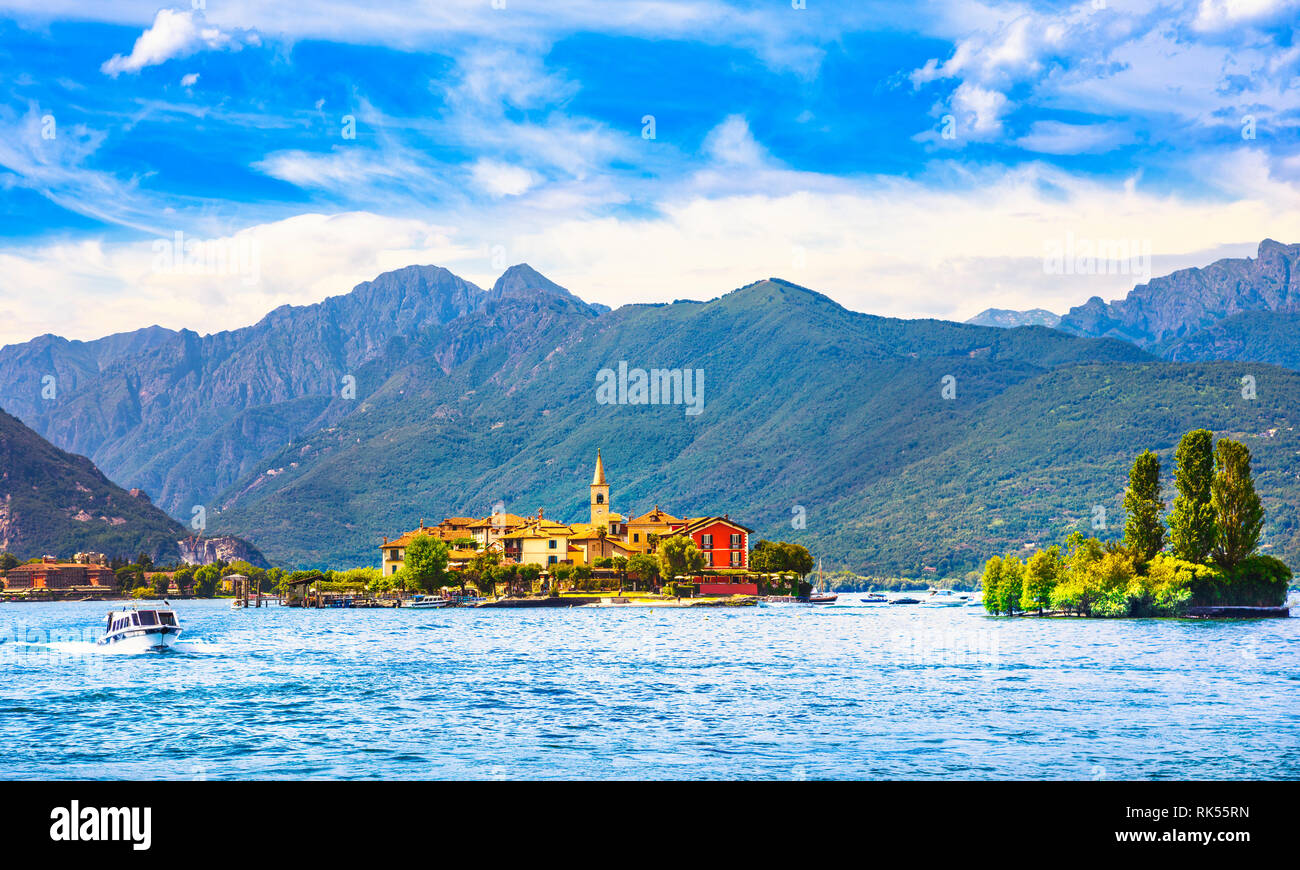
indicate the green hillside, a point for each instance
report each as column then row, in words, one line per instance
column 56, row 503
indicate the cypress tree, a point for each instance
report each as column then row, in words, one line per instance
column 1144, row 532
column 990, row 582
column 1191, row 522
column 1238, row 515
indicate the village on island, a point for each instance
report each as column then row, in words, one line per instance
column 538, row 561
column 500, row 560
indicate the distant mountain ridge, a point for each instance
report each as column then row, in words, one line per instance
column 1180, row 304
column 183, row 415
column 1006, row 318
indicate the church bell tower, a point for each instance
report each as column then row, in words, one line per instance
column 599, row 496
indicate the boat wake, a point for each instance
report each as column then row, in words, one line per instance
column 89, row 648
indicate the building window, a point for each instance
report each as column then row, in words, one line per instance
column 551, row 543
column 706, row 542
column 735, row 559
column 735, row 542
column 636, row 538
column 600, row 498
column 550, row 560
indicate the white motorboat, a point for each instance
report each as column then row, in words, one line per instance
column 875, row 598
column 155, row 628
column 946, row 598
column 427, row 601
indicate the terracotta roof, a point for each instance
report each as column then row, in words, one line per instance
column 700, row 522
column 542, row 529
column 509, row 521
column 429, row 531
column 656, row 516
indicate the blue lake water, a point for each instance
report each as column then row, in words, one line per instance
column 783, row 692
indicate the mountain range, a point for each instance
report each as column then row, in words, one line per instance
column 888, row 446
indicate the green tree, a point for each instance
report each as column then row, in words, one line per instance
column 160, row 583
column 1238, row 514
column 645, row 568
column 425, row 564
column 1191, row 522
column 7, row 561
column 205, row 581
column 990, row 583
column 1011, row 584
column 528, row 575
column 128, row 577
column 1144, row 530
column 1041, row 576
column 184, row 578
column 679, row 556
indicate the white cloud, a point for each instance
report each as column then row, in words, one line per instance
column 1215, row 15
column 501, row 179
column 189, row 80
column 731, row 142
column 345, row 168
column 978, row 110
column 174, row 33
column 1056, row 137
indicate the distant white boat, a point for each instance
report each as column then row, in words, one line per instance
column 152, row 629
column 946, row 598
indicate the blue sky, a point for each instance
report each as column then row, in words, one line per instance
column 906, row 159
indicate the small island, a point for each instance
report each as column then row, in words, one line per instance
column 1200, row 560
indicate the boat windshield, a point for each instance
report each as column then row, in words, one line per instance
column 147, row 617
column 166, row 617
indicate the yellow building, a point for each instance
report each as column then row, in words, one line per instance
column 590, row 544
column 656, row 522
column 541, row 542
column 491, row 529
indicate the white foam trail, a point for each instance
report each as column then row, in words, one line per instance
column 81, row 647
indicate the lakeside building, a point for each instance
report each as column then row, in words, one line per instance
column 606, row 534
column 51, row 574
column 723, row 542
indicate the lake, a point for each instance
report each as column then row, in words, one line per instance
column 791, row 692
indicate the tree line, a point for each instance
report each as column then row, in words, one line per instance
column 1202, row 553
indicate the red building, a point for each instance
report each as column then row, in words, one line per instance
column 724, row 543
column 54, row 575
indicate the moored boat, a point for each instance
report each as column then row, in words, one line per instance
column 427, row 601
column 819, row 593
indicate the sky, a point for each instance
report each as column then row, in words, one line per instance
column 197, row 165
